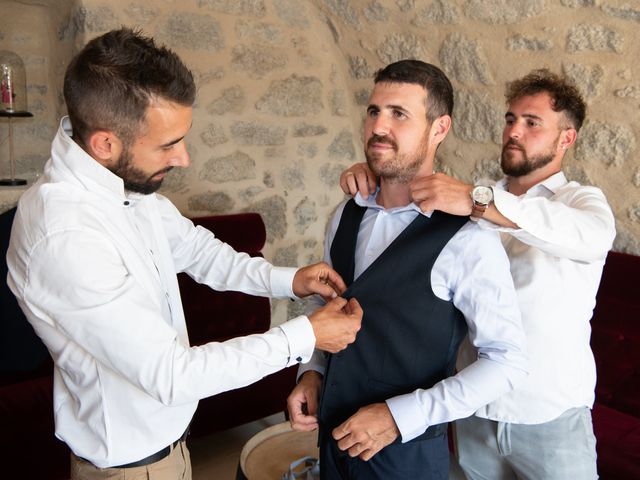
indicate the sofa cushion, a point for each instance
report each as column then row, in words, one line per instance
column 615, row 339
column 28, row 437
column 219, row 316
column 618, row 443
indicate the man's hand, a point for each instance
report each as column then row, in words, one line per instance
column 358, row 178
column 318, row 278
column 441, row 192
column 367, row 431
column 302, row 402
column 335, row 325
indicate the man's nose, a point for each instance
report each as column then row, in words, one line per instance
column 181, row 157
column 381, row 126
column 513, row 131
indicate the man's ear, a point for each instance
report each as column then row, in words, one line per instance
column 439, row 129
column 568, row 137
column 105, row 147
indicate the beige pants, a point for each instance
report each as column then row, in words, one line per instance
column 175, row 466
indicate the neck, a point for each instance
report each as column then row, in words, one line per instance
column 393, row 194
column 520, row 185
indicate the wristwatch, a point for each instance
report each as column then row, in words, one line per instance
column 481, row 197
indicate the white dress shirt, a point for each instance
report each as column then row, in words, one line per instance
column 472, row 271
column 556, row 258
column 94, row 269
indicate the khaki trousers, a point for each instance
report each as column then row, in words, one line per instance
column 175, row 466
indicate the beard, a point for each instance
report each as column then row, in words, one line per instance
column 528, row 164
column 401, row 168
column 135, row 180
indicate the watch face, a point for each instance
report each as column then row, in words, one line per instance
column 482, row 195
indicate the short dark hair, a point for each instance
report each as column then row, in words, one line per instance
column 112, row 81
column 565, row 96
column 439, row 90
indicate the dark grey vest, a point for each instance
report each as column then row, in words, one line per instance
column 409, row 337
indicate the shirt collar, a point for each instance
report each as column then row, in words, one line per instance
column 370, row 202
column 68, row 155
column 551, row 184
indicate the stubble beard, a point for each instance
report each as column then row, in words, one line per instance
column 401, row 168
column 135, row 180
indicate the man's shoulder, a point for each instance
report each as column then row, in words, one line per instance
column 472, row 240
column 48, row 208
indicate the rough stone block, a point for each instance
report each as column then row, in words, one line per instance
column 593, row 37
column 191, row 31
column 359, row 67
column 344, row 12
column 295, row 96
column 534, row 44
column 262, row 32
column 342, row 146
column 625, row 12
column 605, row 142
column 464, row 60
column 229, row 168
column 293, row 176
column 273, row 211
column 376, row 12
column 504, row 11
column 213, row 135
column 141, row 14
column 214, row 203
column 306, row 130
column 399, row 46
column 478, row 118
column 305, row 215
column 330, row 173
column 589, row 79
column 439, row 12
column 253, row 133
column 231, row 99
column 257, row 60
column 254, row 8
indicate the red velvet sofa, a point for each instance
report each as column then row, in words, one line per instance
column 28, row 447
column 615, row 341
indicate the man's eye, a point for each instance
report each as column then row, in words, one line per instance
column 372, row 113
column 399, row 114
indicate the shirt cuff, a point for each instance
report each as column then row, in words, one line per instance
column 317, row 363
column 407, row 414
column 300, row 338
column 282, row 282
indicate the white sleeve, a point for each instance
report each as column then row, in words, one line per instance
column 475, row 268
column 197, row 252
column 79, row 284
column 575, row 223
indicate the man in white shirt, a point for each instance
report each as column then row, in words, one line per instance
column 423, row 280
column 93, row 259
column 557, row 234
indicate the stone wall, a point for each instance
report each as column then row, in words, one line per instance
column 283, row 84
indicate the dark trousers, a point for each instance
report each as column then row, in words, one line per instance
column 424, row 459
